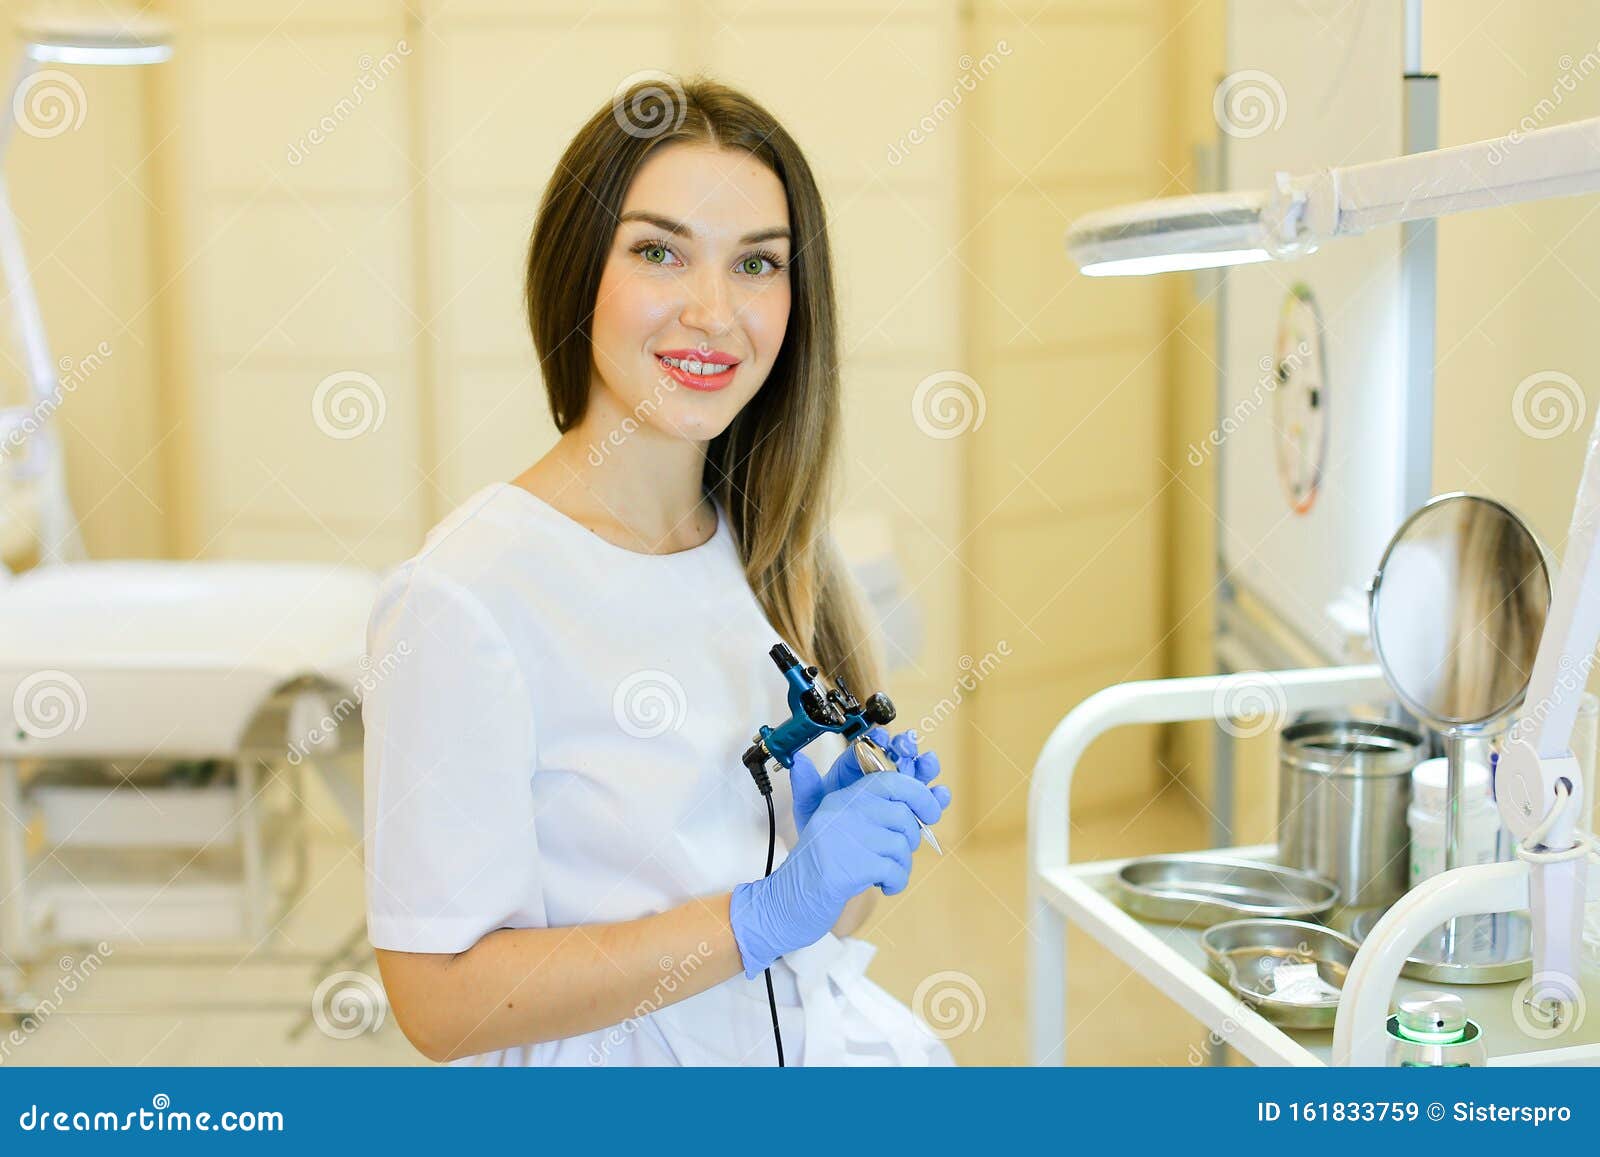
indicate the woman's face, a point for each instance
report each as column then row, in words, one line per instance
column 698, row 273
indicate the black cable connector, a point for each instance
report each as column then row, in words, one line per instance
column 755, row 761
column 772, row 1001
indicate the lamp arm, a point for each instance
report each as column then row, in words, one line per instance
column 1538, row 782
column 1560, row 161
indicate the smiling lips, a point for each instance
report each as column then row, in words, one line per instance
column 699, row 369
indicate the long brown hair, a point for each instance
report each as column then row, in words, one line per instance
column 772, row 469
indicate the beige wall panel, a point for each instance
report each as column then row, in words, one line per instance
column 494, row 423
column 1063, row 591
column 261, row 100
column 1072, row 99
column 1030, row 296
column 288, row 19
column 504, row 100
column 480, row 245
column 1013, row 714
column 847, row 91
column 327, row 281
column 1066, row 433
column 456, row 13
column 889, row 461
column 898, row 282
column 270, row 453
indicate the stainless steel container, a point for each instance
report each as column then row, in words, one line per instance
column 1432, row 1030
column 1343, row 790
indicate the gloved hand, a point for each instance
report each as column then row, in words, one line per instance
column 809, row 788
column 859, row 836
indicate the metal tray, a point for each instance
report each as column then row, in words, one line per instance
column 1200, row 891
column 1489, row 949
column 1242, row 954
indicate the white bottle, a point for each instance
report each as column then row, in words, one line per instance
column 1480, row 830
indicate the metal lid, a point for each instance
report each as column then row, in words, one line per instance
column 1351, row 747
column 1432, row 1017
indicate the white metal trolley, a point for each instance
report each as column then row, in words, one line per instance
column 1060, row 893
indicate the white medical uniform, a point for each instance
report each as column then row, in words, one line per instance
column 553, row 738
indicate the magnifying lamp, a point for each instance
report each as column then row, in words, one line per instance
column 1538, row 784
column 1298, row 214
column 109, row 41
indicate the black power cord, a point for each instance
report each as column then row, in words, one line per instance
column 755, row 760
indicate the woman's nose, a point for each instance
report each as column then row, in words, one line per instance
column 709, row 304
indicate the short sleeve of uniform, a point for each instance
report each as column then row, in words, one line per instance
column 451, row 851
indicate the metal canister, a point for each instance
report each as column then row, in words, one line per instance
column 1432, row 1030
column 1343, row 790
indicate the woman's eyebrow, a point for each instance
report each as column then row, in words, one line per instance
column 678, row 228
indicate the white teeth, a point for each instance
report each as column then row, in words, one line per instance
column 694, row 366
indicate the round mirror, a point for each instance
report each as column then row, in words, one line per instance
column 1457, row 607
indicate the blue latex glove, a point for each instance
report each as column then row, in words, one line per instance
column 809, row 788
column 859, row 836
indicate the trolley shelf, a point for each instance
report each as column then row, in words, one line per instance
column 1169, row 956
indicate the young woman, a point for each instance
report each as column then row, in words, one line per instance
column 564, row 853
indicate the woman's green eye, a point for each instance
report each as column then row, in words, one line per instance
column 754, row 264
column 655, row 254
